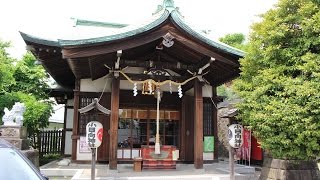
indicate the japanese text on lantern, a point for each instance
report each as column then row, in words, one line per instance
column 91, row 134
column 94, row 134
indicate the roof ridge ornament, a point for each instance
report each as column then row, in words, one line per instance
column 168, row 40
column 167, row 5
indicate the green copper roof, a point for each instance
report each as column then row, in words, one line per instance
column 125, row 32
column 177, row 19
column 83, row 22
column 163, row 12
column 38, row 40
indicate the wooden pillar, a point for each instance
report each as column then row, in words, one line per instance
column 198, row 125
column 183, row 129
column 114, row 119
column 75, row 130
column 215, row 122
column 63, row 141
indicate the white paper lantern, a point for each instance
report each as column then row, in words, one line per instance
column 235, row 135
column 94, row 134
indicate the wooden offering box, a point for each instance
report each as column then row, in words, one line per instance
column 164, row 160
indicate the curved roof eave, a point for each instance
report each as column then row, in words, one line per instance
column 129, row 31
column 37, row 40
column 222, row 46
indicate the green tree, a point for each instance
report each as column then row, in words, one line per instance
column 23, row 81
column 226, row 91
column 30, row 78
column 280, row 80
column 6, row 77
column 6, row 69
column 236, row 40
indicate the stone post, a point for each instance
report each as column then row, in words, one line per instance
column 17, row 135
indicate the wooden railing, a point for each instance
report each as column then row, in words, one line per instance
column 50, row 142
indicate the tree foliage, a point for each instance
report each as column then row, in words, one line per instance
column 23, row 81
column 280, row 80
column 6, row 78
column 30, row 78
column 236, row 40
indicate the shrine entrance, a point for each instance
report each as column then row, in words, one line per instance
column 163, row 57
column 137, row 127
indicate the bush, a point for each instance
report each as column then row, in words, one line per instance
column 49, row 158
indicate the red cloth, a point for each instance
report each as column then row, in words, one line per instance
column 244, row 151
column 256, row 152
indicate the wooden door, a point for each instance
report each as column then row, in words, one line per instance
column 188, row 133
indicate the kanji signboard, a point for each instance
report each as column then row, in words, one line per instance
column 94, row 133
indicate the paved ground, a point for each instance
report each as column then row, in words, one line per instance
column 214, row 171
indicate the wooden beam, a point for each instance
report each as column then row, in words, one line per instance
column 204, row 50
column 198, row 125
column 75, row 130
column 181, row 51
column 114, row 119
column 86, row 51
column 215, row 122
column 141, row 77
column 226, row 78
column 146, row 64
column 80, row 67
column 221, row 66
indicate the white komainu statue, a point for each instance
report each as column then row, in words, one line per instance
column 14, row 117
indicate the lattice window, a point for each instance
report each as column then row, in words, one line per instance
column 207, row 119
column 85, row 118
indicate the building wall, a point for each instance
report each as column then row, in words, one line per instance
column 83, row 156
column 87, row 85
column 69, row 126
column 206, row 91
column 55, row 125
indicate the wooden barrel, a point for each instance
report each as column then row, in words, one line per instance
column 289, row 170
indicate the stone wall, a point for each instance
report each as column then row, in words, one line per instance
column 289, row 170
column 32, row 155
column 223, row 144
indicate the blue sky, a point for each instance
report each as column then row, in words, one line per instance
column 48, row 18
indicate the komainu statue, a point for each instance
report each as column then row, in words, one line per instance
column 14, row 117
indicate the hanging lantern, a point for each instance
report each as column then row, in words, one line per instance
column 235, row 135
column 94, row 134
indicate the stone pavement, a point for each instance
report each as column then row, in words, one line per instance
column 214, row 171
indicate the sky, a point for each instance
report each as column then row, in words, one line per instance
column 48, row 18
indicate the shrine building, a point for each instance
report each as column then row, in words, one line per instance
column 157, row 78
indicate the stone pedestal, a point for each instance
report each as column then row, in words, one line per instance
column 16, row 135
